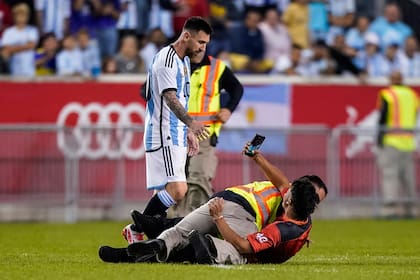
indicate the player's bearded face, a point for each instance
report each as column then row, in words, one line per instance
column 197, row 43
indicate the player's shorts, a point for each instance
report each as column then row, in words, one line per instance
column 165, row 165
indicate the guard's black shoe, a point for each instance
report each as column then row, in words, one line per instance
column 204, row 249
column 152, row 226
column 148, row 250
column 115, row 255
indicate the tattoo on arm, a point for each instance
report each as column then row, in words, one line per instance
column 177, row 108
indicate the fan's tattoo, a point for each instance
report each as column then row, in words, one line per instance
column 177, row 108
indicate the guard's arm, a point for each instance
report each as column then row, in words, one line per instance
column 233, row 87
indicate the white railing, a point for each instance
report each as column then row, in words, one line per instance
column 53, row 168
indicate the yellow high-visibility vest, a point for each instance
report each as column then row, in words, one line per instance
column 204, row 100
column 264, row 199
column 403, row 104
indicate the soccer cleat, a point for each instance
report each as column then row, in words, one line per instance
column 131, row 235
column 114, row 255
column 151, row 226
column 148, row 250
column 204, row 249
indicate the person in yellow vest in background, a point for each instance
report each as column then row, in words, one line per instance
column 210, row 78
column 398, row 105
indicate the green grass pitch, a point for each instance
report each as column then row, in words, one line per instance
column 341, row 249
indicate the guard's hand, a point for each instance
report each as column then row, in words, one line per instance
column 216, row 206
column 223, row 115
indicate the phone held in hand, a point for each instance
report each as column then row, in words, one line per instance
column 256, row 143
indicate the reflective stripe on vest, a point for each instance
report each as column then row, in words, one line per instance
column 402, row 107
column 204, row 100
column 264, row 199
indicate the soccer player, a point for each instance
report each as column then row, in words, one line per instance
column 169, row 129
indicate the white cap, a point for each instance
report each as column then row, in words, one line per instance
column 372, row 38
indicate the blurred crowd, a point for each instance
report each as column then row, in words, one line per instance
column 290, row 37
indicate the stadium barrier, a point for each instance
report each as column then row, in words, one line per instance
column 92, row 172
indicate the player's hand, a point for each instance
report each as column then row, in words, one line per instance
column 193, row 146
column 216, row 206
column 199, row 130
column 223, row 115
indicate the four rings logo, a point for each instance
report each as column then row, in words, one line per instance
column 101, row 131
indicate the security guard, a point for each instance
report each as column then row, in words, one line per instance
column 210, row 79
column 398, row 105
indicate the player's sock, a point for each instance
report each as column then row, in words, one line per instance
column 159, row 203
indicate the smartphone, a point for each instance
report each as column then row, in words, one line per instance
column 256, row 143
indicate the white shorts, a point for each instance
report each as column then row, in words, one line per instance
column 165, row 165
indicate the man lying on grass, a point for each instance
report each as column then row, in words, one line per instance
column 229, row 217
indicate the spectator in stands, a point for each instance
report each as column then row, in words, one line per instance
column 69, row 59
column 338, row 61
column 393, row 57
column 320, row 62
column 82, row 16
column 247, row 45
column 296, row 19
column 318, row 20
column 156, row 40
column 219, row 22
column 6, row 19
column 45, row 57
column 355, row 36
column 19, row 42
column 371, row 59
column 276, row 38
column 390, row 28
column 184, row 9
column 127, row 22
column 260, row 6
column 290, row 64
column 107, row 13
column 90, row 54
column 161, row 17
column 143, row 9
column 341, row 17
column 128, row 59
column 410, row 61
column 53, row 16
column 109, row 65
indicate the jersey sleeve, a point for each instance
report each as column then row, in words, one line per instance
column 167, row 78
column 268, row 237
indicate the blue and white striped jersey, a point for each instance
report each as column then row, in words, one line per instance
column 167, row 72
column 54, row 12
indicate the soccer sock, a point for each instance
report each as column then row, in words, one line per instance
column 159, row 203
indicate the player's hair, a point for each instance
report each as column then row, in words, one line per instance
column 197, row 24
column 304, row 198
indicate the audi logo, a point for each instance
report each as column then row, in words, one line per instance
column 101, row 131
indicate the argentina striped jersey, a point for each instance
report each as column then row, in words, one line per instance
column 167, row 72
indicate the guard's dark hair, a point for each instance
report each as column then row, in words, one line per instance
column 304, row 198
column 198, row 24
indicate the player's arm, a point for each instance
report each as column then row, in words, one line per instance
column 176, row 107
column 216, row 209
column 271, row 172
